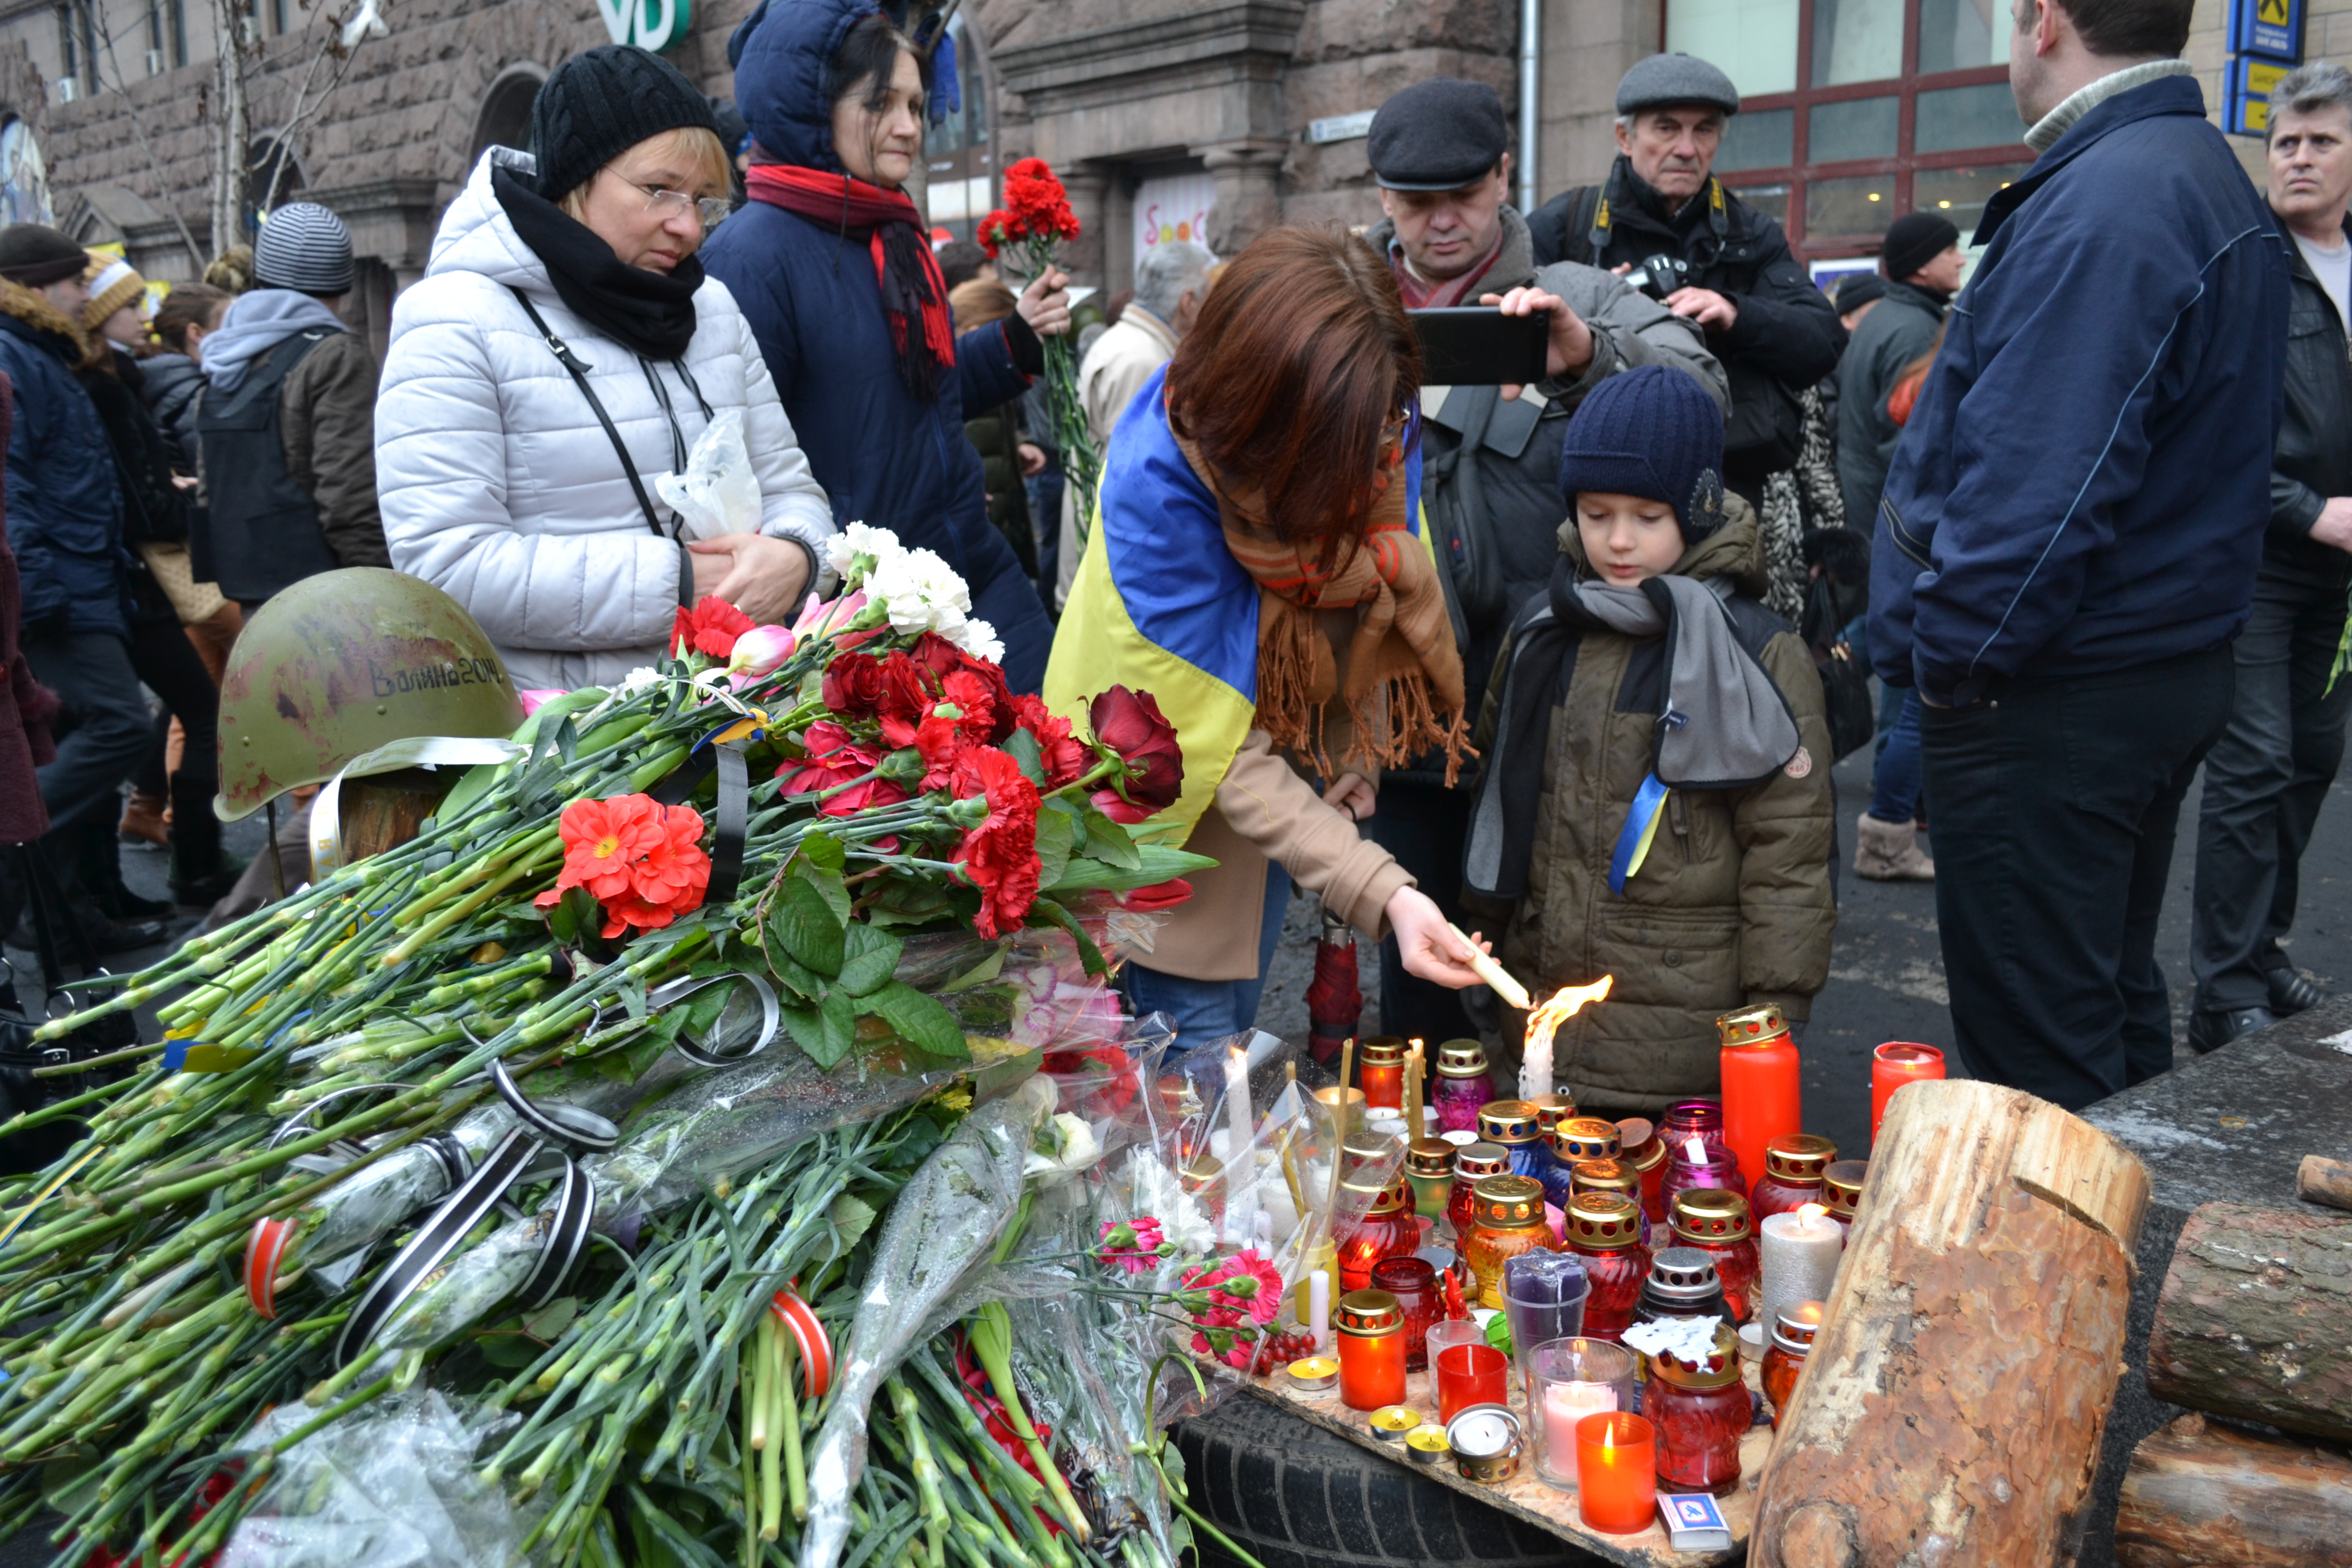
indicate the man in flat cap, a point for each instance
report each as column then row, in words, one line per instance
column 1664, row 218
column 1489, row 487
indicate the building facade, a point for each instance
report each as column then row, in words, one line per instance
column 1166, row 119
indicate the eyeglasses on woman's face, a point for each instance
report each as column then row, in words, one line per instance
column 708, row 210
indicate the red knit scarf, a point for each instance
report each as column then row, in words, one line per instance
column 904, row 267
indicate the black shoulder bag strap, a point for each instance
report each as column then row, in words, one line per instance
column 571, row 361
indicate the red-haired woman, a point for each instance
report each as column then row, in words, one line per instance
column 1256, row 570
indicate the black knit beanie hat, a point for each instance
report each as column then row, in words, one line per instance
column 1914, row 240
column 36, row 255
column 598, row 105
column 1652, row 432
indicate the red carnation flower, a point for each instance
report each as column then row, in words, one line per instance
column 1063, row 757
column 944, row 658
column 1130, row 723
column 710, row 628
column 1000, row 856
column 995, row 232
column 1037, row 206
column 939, row 740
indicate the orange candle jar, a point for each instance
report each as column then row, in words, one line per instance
column 1605, row 1229
column 1372, row 1350
column 1893, row 1065
column 1379, row 1064
column 1763, row 1095
column 1473, row 1164
column 1792, row 1341
column 1841, row 1190
column 1793, row 1169
column 1510, row 1221
column 1717, row 1224
column 1616, row 1473
column 1386, row 1230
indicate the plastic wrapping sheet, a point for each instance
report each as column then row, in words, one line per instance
column 940, row 1229
column 391, row 1486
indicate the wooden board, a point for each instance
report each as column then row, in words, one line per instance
column 1527, row 1496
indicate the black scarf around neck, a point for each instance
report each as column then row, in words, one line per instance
column 649, row 313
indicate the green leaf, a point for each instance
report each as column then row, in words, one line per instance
column 806, row 926
column 576, row 918
column 632, row 994
column 828, row 885
column 507, row 1350
column 1054, row 833
column 552, row 1318
column 810, row 1029
column 1156, row 863
column 1022, row 747
column 825, row 851
column 851, row 1218
column 870, row 958
column 1105, row 841
column 921, row 1021
column 840, row 1023
column 797, row 978
column 980, row 973
column 1046, row 911
column 702, row 1009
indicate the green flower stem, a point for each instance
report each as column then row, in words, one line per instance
column 991, row 1333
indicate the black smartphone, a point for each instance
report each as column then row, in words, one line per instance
column 1477, row 346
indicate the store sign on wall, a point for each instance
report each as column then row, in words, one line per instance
column 655, row 24
column 1173, row 207
column 2272, row 28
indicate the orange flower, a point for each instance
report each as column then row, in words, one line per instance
column 643, row 861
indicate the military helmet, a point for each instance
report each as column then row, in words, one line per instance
column 342, row 663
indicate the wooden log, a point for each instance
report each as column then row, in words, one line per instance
column 2255, row 1319
column 2199, row 1496
column 1951, row 1409
column 2323, row 1181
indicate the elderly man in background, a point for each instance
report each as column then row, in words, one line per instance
column 2268, row 775
column 1490, row 487
column 1171, row 279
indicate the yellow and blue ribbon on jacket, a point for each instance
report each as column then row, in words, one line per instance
column 1641, row 827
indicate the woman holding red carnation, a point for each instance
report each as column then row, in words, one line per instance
column 1258, row 570
column 831, row 265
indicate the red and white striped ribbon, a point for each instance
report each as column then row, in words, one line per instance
column 808, row 1332
column 263, row 1248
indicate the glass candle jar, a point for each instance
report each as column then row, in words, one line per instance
column 1681, row 1283
column 1841, row 1190
column 1642, row 1148
column 1414, row 1283
column 1606, row 1229
column 1510, row 1126
column 1608, row 1176
column 1573, row 1140
column 1565, row 1381
column 1894, row 1065
column 1463, row 1084
column 1718, row 1170
column 1763, row 1093
column 1552, row 1109
column 1702, row 1118
column 1380, row 1068
column 1473, row 1164
column 1386, row 1230
column 1716, row 1223
column 1792, row 1341
column 1701, row 1411
column 1429, row 1172
column 1510, row 1221
column 1372, row 1350
column 1794, row 1167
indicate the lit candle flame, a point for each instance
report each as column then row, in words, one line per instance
column 1694, row 1151
column 1534, row 1058
column 1608, row 1435
column 1809, row 1215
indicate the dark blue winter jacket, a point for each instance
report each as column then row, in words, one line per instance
column 65, row 514
column 885, row 456
column 2085, row 483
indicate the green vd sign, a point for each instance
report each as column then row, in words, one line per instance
column 655, row 24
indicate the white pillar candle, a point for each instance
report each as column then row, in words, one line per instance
column 1319, row 1308
column 1241, row 1172
column 1801, row 1253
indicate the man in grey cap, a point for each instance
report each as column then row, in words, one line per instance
column 1488, row 486
column 1663, row 219
column 289, row 419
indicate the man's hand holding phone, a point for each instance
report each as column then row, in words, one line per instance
column 1570, row 351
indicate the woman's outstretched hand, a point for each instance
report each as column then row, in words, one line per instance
column 1427, row 942
column 1353, row 793
column 765, row 578
column 1046, row 303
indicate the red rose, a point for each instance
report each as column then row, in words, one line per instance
column 1000, row 856
column 1118, row 808
column 1063, row 757
column 710, row 628
column 1130, row 723
column 835, row 757
column 852, row 685
column 1158, row 896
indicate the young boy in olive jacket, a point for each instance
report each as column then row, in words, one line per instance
column 1656, row 799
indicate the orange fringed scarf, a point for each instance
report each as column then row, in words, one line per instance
column 1405, row 675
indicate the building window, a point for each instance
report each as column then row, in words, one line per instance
column 1856, row 112
column 77, row 46
column 962, row 173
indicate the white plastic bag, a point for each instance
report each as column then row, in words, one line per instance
column 718, row 493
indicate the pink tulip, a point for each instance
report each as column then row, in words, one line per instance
column 828, row 616
column 759, row 653
column 535, row 699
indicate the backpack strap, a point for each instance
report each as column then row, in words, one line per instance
column 571, row 361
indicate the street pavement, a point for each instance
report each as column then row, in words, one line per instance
column 1887, row 972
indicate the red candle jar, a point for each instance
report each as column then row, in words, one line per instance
column 1763, row 1095
column 1893, row 1065
column 1716, row 1223
column 1794, row 1166
column 1473, row 1164
column 1841, row 1190
column 1605, row 1229
column 1463, row 1084
column 1792, row 1341
column 1644, row 1150
column 1414, row 1283
column 1510, row 1221
column 1386, row 1230
column 1701, row 1412
column 1372, row 1350
column 1380, row 1068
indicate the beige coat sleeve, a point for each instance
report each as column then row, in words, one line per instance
column 1263, row 799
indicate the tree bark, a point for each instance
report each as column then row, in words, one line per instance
column 2208, row 1497
column 2255, row 1319
column 1951, row 1409
column 2322, row 1181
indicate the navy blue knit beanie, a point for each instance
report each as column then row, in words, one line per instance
column 1652, row 432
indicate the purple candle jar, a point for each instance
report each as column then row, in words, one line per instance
column 1463, row 1085
column 1685, row 1174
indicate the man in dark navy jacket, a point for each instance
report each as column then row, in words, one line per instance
column 2068, row 539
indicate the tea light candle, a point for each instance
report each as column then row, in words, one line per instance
column 1427, row 1443
column 1801, row 1252
column 1616, row 1473
column 1480, row 1433
column 1313, row 1373
column 1390, row 1423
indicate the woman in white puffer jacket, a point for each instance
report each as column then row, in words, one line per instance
column 499, row 482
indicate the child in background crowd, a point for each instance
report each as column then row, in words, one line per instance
column 1657, row 800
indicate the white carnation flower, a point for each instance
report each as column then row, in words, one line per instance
column 876, row 545
column 979, row 639
column 920, row 592
column 637, row 679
